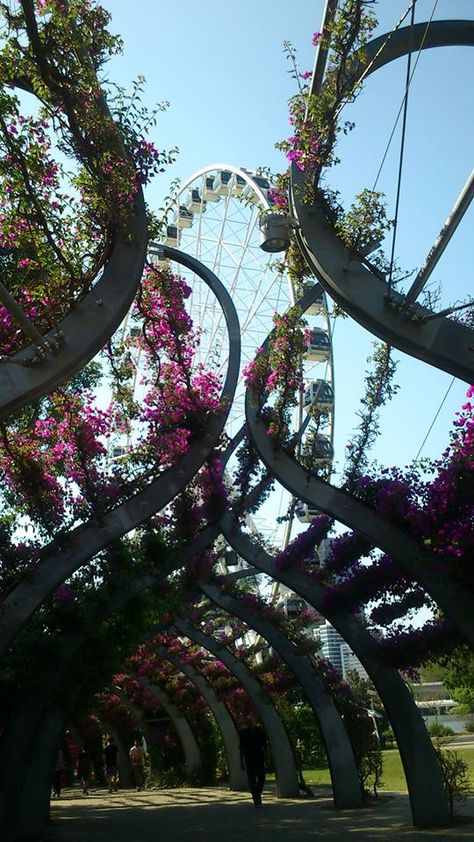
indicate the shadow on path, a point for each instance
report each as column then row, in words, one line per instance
column 217, row 815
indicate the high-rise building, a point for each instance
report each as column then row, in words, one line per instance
column 331, row 642
column 337, row 651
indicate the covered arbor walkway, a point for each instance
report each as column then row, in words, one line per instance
column 218, row 815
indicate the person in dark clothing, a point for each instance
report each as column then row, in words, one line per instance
column 84, row 770
column 111, row 765
column 59, row 772
column 253, row 748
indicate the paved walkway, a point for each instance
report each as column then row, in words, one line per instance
column 217, row 815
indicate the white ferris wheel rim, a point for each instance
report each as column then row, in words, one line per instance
column 226, row 168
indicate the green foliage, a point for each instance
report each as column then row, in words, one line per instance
column 304, row 733
column 455, row 778
column 388, row 738
column 437, row 729
column 457, row 673
column 83, row 608
column 365, row 224
column 432, row 671
column 171, row 777
column 315, row 116
column 459, row 668
column 465, row 697
column 379, row 388
column 361, row 686
column 371, row 769
column 70, row 170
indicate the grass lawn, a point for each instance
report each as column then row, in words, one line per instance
column 393, row 777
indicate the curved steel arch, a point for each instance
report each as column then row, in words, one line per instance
column 34, row 796
column 83, row 332
column 66, row 554
column 439, row 33
column 344, row 776
column 225, row 723
column 358, row 290
column 450, row 596
column 19, row 737
column 86, row 329
column 422, row 771
column 283, row 758
column 184, row 732
column 21, row 727
column 191, row 750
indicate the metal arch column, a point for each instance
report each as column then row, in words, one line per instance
column 191, row 751
column 21, row 733
column 64, row 556
column 438, row 33
column 358, row 290
column 225, row 723
column 86, row 328
column 190, row 748
column 344, row 776
column 422, row 771
column 285, row 768
column 92, row 320
column 21, row 727
column 35, row 793
column 450, row 596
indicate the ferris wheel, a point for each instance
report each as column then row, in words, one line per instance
column 215, row 218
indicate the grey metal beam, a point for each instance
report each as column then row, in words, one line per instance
column 452, row 597
column 33, row 801
column 85, row 330
column 329, row 13
column 225, row 723
column 358, row 290
column 283, row 758
column 425, row 36
column 422, row 771
column 66, row 554
column 20, row 731
column 344, row 776
column 455, row 217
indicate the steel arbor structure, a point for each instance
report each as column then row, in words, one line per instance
column 398, row 319
column 36, row 724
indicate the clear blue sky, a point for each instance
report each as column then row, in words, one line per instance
column 222, row 68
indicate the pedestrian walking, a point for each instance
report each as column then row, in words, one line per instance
column 137, row 759
column 59, row 772
column 111, row 764
column 84, row 770
column 253, row 749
